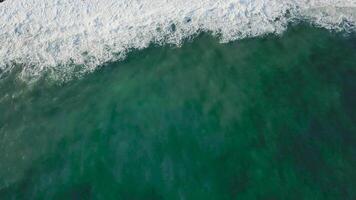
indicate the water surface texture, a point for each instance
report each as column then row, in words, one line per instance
column 272, row 117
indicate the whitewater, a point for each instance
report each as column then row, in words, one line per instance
column 63, row 38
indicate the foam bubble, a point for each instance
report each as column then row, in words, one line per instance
column 74, row 37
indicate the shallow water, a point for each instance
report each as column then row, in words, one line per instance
column 264, row 118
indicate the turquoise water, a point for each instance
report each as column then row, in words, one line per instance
column 264, row 118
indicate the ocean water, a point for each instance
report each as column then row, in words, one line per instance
column 193, row 100
column 263, row 118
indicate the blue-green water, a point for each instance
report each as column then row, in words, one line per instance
column 263, row 118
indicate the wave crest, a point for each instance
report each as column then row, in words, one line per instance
column 58, row 36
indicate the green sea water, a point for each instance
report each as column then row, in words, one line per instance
column 264, row 118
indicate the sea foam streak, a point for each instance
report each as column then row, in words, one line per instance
column 57, row 36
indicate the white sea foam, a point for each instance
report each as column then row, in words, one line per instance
column 57, row 36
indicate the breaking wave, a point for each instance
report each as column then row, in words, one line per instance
column 74, row 37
